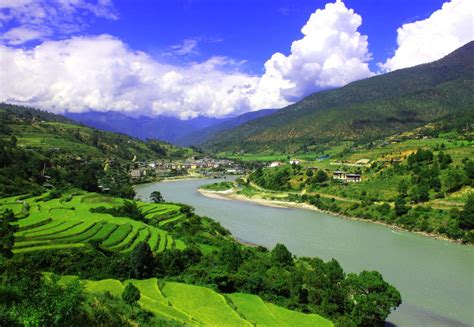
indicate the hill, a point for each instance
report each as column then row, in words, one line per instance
column 40, row 149
column 440, row 92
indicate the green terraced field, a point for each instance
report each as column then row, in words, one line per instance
column 201, row 306
column 266, row 314
column 67, row 222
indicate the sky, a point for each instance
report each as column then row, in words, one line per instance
column 212, row 58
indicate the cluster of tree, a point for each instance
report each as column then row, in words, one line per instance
column 128, row 209
column 273, row 179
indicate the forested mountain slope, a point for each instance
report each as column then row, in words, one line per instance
column 441, row 91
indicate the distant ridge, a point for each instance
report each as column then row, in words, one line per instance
column 170, row 129
column 441, row 91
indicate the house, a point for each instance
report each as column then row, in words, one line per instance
column 137, row 173
column 353, row 178
column 343, row 176
column 275, row 164
column 338, row 174
column 295, row 162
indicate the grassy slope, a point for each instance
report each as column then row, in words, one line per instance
column 200, row 306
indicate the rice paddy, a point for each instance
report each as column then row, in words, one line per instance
column 67, row 222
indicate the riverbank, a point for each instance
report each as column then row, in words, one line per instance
column 233, row 196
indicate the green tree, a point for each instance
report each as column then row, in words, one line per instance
column 7, row 231
column 370, row 298
column 454, row 180
column 281, row 255
column 131, row 295
column 156, row 197
column 400, row 206
column 403, row 188
column 142, row 262
column 320, row 177
column 469, row 169
column 466, row 217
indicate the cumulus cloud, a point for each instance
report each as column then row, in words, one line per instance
column 84, row 73
column 26, row 20
column 331, row 53
column 427, row 40
column 102, row 73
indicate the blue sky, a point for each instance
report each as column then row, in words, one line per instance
column 250, row 30
column 212, row 58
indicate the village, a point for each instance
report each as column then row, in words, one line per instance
column 194, row 167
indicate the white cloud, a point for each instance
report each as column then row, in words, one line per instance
column 29, row 20
column 187, row 47
column 331, row 53
column 427, row 40
column 102, row 73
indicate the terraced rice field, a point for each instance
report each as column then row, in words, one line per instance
column 201, row 306
column 67, row 223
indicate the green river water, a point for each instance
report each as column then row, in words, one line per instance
column 434, row 277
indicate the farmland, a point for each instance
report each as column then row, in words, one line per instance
column 67, row 222
column 201, row 306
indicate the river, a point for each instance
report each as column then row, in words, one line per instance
column 435, row 277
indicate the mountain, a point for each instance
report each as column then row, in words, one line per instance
column 40, row 149
column 202, row 135
column 168, row 129
column 177, row 131
column 441, row 91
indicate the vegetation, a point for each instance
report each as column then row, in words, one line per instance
column 40, row 151
column 111, row 243
column 221, row 186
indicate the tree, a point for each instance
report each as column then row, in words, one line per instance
column 320, row 177
column 309, row 172
column 466, row 217
column 156, row 197
column 131, row 294
column 142, row 262
column 400, row 206
column 282, row 256
column 454, row 180
column 370, row 298
column 469, row 169
column 7, row 231
column 403, row 188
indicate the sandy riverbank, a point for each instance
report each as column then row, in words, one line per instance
column 231, row 195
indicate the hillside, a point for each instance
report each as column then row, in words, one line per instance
column 40, row 150
column 441, row 92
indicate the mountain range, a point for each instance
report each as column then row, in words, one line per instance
column 177, row 131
